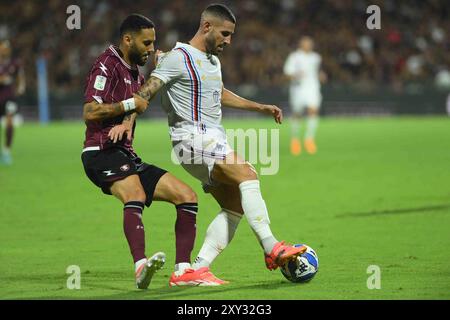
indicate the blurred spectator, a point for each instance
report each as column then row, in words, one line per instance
column 412, row 45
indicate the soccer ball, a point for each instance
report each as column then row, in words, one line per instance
column 302, row 269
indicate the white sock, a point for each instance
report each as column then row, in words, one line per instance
column 137, row 264
column 218, row 235
column 311, row 127
column 256, row 212
column 181, row 267
column 295, row 127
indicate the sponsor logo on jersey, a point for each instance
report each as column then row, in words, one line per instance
column 108, row 173
column 100, row 82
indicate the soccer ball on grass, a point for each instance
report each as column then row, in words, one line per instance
column 303, row 268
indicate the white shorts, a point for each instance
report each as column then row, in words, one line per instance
column 198, row 152
column 300, row 99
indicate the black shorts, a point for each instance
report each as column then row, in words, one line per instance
column 104, row 167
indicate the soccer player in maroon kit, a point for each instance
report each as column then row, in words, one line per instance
column 12, row 84
column 110, row 161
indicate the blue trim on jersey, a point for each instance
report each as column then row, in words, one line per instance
column 192, row 84
column 200, row 87
column 197, row 78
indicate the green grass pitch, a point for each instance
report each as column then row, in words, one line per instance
column 376, row 193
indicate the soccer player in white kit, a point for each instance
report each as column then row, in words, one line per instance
column 302, row 67
column 192, row 94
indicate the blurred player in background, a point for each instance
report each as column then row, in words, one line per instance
column 302, row 67
column 12, row 85
column 193, row 95
column 109, row 159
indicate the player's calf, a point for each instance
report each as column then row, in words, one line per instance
column 173, row 190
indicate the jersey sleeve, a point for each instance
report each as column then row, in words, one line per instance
column 98, row 84
column 170, row 66
column 289, row 66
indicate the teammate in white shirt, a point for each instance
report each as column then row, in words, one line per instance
column 302, row 67
column 193, row 94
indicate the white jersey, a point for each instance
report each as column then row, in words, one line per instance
column 193, row 87
column 304, row 67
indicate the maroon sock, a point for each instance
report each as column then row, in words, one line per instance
column 134, row 229
column 9, row 135
column 185, row 230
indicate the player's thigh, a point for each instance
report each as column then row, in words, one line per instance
column 106, row 167
column 296, row 101
column 171, row 189
column 313, row 101
column 128, row 189
column 296, row 114
column 312, row 111
column 228, row 197
column 233, row 170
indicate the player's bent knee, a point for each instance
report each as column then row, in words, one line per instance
column 245, row 173
column 186, row 195
column 136, row 194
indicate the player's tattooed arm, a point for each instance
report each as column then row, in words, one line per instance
column 232, row 100
column 128, row 122
column 149, row 89
column 126, row 127
column 94, row 111
column 147, row 92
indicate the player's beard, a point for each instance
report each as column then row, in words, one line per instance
column 210, row 45
column 135, row 56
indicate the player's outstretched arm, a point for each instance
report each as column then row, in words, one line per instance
column 147, row 91
column 232, row 100
column 95, row 111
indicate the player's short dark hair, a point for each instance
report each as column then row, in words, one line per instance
column 221, row 11
column 134, row 23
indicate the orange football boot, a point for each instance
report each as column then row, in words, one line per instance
column 310, row 146
column 296, row 147
column 281, row 254
column 200, row 277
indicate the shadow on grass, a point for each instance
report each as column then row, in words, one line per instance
column 426, row 209
column 155, row 293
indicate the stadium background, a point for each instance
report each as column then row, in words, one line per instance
column 376, row 193
column 402, row 68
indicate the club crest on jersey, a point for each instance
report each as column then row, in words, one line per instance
column 125, row 167
column 127, row 81
column 216, row 96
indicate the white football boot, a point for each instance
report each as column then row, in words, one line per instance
column 145, row 272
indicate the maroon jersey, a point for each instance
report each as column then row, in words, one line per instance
column 110, row 80
column 8, row 74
